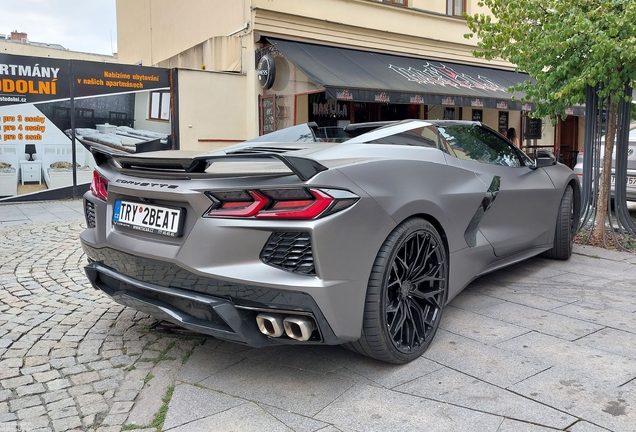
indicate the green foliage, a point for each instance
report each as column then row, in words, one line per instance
column 562, row 45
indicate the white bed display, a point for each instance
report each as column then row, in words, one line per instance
column 9, row 167
column 55, row 176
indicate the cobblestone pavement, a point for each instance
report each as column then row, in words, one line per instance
column 540, row 346
column 70, row 358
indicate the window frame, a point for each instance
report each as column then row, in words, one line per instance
column 402, row 3
column 450, row 8
column 159, row 117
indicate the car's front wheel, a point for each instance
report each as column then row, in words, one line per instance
column 406, row 293
column 565, row 226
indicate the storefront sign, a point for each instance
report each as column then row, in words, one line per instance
column 25, row 79
column 268, row 117
column 526, row 107
column 569, row 111
column 503, row 122
column 331, row 108
column 533, row 128
column 417, row 99
column 344, row 95
column 476, row 103
column 382, row 97
column 443, row 75
column 502, row 105
column 266, row 71
column 448, row 101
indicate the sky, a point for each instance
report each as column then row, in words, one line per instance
column 77, row 25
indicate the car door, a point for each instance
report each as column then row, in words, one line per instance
column 515, row 214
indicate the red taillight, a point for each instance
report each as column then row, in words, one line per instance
column 297, row 203
column 99, row 186
column 303, row 209
column 241, row 208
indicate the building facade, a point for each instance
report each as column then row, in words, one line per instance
column 248, row 67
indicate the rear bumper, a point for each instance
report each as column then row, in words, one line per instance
column 224, row 317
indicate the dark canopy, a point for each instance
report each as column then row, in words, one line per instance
column 364, row 76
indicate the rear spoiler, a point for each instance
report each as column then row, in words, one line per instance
column 303, row 168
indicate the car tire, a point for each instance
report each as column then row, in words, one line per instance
column 406, row 293
column 564, row 232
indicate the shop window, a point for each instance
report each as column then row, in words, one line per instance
column 61, row 112
column 449, row 114
column 159, row 108
column 86, row 113
column 397, row 2
column 455, row 7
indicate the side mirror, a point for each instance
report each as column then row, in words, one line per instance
column 542, row 159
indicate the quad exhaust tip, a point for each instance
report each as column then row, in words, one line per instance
column 295, row 327
column 270, row 325
column 299, row 328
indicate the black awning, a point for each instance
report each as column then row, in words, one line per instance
column 362, row 76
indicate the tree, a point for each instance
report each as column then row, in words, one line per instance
column 565, row 46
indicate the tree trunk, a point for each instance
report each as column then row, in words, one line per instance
column 598, row 231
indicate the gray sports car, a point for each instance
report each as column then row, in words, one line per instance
column 289, row 240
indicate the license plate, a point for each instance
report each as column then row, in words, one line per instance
column 631, row 181
column 154, row 219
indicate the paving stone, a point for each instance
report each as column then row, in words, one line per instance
column 67, row 423
column 34, row 423
column 591, row 398
column 58, row 384
column 62, row 403
column 35, row 369
column 600, row 314
column 5, row 395
column 611, row 368
column 55, row 414
column 492, row 365
column 295, row 422
column 35, row 360
column 375, row 409
column 76, row 391
column 7, row 417
column 59, row 363
column 54, row 396
column 9, row 373
column 114, row 419
column 104, row 385
column 25, row 402
column 46, row 376
column 245, row 417
column 74, row 370
column 258, row 381
column 16, row 382
column 84, row 378
column 479, row 327
column 458, row 389
column 27, row 413
column 553, row 324
column 191, row 403
column 94, row 408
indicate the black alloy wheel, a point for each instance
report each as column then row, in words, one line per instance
column 406, row 294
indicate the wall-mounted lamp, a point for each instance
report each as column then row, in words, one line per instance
column 30, row 150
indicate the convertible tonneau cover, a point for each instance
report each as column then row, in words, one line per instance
column 165, row 163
